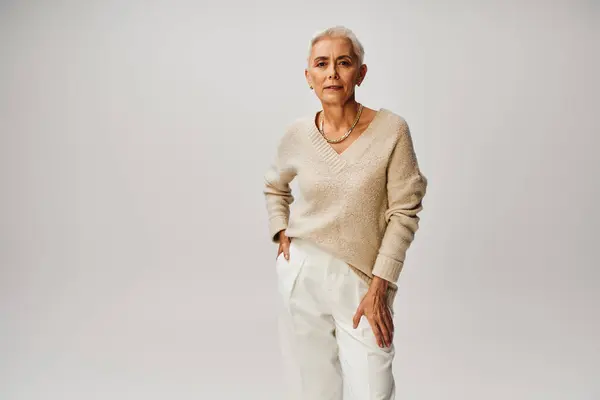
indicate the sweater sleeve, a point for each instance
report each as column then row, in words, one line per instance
column 277, row 191
column 406, row 187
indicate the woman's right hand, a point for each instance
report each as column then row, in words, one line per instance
column 284, row 245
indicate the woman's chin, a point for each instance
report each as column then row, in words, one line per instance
column 333, row 100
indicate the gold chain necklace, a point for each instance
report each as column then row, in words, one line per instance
column 347, row 133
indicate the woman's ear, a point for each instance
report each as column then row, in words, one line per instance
column 361, row 74
column 307, row 77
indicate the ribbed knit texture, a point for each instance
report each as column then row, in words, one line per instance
column 360, row 205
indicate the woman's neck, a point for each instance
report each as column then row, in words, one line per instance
column 340, row 117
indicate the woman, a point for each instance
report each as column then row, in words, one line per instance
column 342, row 247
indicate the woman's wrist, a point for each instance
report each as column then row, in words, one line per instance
column 378, row 284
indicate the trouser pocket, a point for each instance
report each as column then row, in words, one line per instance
column 288, row 272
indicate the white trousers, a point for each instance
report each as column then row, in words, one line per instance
column 325, row 358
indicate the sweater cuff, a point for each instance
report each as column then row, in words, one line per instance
column 275, row 225
column 387, row 268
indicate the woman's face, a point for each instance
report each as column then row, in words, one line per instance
column 333, row 70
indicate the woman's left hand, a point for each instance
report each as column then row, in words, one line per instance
column 374, row 306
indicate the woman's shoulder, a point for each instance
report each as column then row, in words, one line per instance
column 293, row 131
column 395, row 120
column 299, row 123
column 296, row 128
column 396, row 126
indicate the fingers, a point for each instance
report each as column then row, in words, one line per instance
column 388, row 323
column 356, row 318
column 382, row 327
column 286, row 252
column 377, row 331
column 284, row 246
column 380, row 319
column 390, row 318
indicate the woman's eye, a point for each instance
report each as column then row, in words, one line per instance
column 319, row 64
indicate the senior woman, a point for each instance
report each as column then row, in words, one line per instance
column 343, row 244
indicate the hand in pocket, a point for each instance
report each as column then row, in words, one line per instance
column 284, row 245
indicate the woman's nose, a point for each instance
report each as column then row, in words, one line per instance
column 333, row 72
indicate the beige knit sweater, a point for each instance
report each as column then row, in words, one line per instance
column 360, row 205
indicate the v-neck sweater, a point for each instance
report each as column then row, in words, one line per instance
column 361, row 205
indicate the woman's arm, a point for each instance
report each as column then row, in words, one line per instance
column 406, row 187
column 277, row 191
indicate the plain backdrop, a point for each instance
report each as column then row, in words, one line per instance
column 135, row 261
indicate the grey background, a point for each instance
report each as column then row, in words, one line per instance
column 134, row 253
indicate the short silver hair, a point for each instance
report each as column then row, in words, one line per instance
column 338, row 31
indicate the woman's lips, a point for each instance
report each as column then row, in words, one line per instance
column 334, row 87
